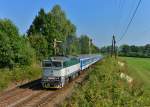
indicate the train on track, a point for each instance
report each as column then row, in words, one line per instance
column 58, row 71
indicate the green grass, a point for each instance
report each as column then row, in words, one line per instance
column 139, row 69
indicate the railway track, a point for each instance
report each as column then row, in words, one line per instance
column 33, row 95
column 28, row 95
column 16, row 90
column 9, row 97
column 10, row 94
column 31, row 100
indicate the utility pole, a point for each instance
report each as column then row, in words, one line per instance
column 113, row 48
column 90, row 42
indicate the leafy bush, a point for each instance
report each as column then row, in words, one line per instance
column 14, row 49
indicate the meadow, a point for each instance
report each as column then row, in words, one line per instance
column 139, row 69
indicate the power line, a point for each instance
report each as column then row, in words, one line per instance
column 131, row 9
column 120, row 12
column 133, row 15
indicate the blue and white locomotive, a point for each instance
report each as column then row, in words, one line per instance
column 59, row 70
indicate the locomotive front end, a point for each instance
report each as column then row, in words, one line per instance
column 51, row 74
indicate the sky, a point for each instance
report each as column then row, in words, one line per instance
column 99, row 19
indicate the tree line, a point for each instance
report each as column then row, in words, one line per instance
column 129, row 50
column 38, row 43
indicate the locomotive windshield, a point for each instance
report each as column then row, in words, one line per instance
column 56, row 64
column 47, row 64
column 52, row 64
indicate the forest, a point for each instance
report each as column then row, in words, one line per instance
column 129, row 50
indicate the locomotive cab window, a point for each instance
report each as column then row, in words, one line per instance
column 52, row 64
column 56, row 64
column 46, row 64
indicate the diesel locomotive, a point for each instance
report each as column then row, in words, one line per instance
column 57, row 71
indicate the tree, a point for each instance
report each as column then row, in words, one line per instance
column 124, row 50
column 6, row 53
column 39, row 43
column 39, row 24
column 147, row 50
column 13, row 49
column 84, row 44
column 135, row 51
column 72, row 45
column 52, row 25
column 95, row 49
column 133, row 48
column 26, row 54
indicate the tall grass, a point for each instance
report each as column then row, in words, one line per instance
column 105, row 88
column 18, row 74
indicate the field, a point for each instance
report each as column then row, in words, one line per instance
column 139, row 69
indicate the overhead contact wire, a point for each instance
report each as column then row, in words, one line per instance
column 131, row 20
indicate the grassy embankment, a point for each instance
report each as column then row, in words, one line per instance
column 18, row 75
column 105, row 88
column 139, row 69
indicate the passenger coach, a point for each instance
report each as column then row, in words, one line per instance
column 87, row 60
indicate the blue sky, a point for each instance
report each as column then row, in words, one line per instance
column 100, row 19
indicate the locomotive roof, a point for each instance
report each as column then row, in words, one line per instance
column 66, row 58
column 60, row 58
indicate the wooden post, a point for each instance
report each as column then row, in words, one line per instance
column 113, row 47
column 55, row 46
